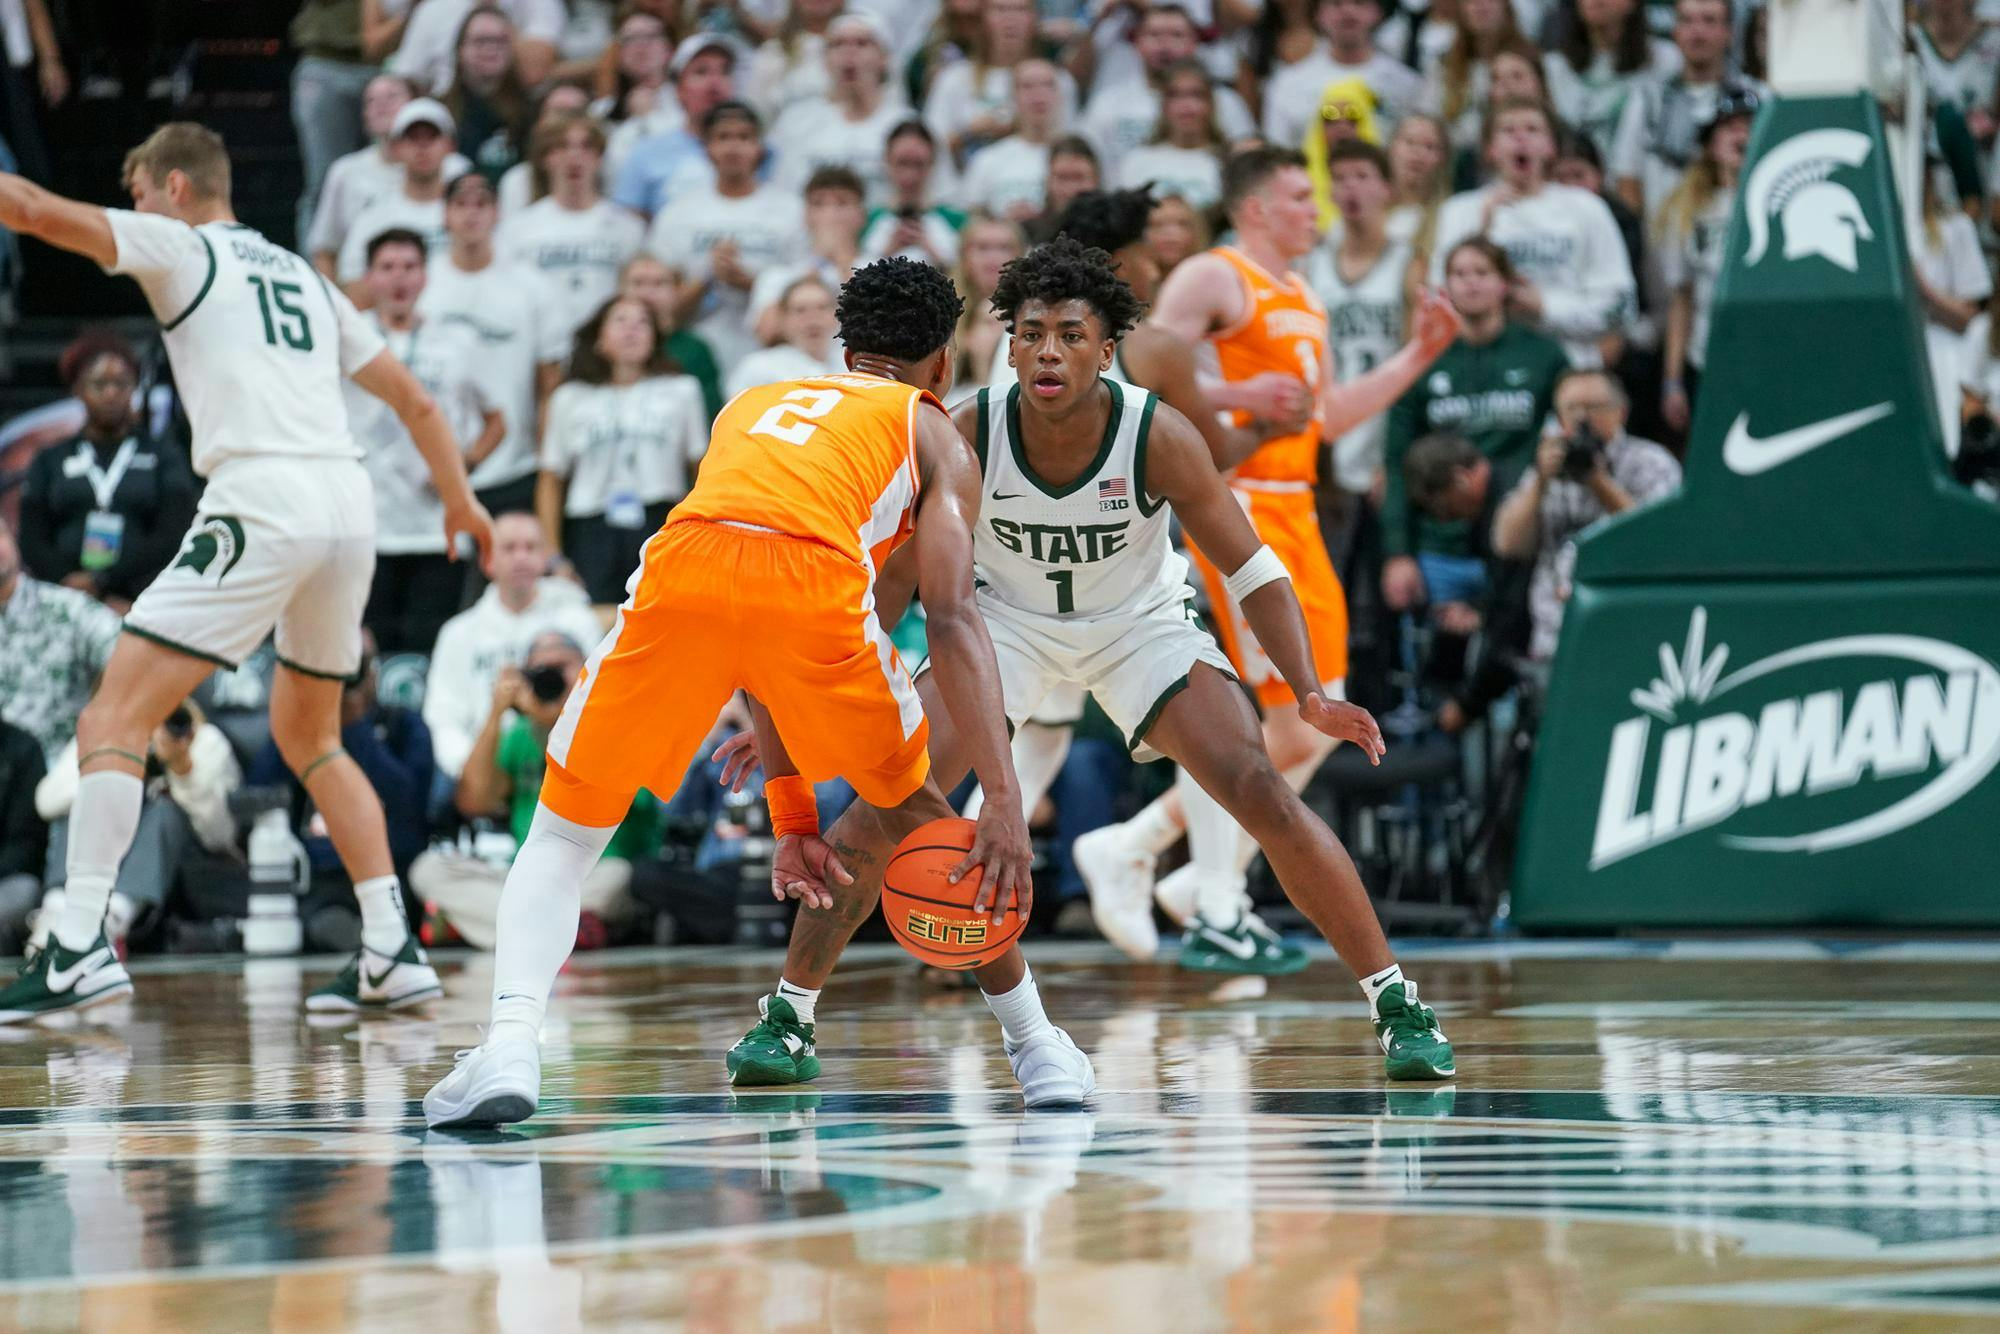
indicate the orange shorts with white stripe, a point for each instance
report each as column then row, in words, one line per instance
column 1289, row 525
column 717, row 607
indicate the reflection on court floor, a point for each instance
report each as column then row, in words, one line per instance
column 1638, row 1139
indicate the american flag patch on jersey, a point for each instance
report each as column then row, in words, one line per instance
column 1112, row 490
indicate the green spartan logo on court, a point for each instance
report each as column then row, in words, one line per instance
column 214, row 541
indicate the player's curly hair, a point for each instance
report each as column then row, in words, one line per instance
column 1109, row 220
column 898, row 307
column 1067, row 270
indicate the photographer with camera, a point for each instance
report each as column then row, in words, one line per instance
column 503, row 778
column 1977, row 464
column 191, row 770
column 1585, row 470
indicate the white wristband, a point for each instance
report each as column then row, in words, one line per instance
column 1262, row 568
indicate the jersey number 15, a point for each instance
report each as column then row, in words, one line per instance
column 290, row 322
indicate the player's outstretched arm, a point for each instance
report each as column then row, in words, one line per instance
column 1179, row 471
column 1433, row 329
column 962, row 654
column 32, row 211
column 389, row 380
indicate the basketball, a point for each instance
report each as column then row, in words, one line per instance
column 933, row 918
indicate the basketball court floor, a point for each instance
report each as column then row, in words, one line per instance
column 1704, row 1136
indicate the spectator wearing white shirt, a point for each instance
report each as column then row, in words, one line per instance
column 494, row 633
column 850, row 125
column 573, row 236
column 623, row 436
column 970, row 103
column 805, row 345
column 1572, row 279
column 1009, row 177
column 1660, row 132
column 1693, row 226
column 422, row 136
column 523, row 183
column 913, row 224
column 723, row 235
column 1419, row 178
column 1184, row 157
column 988, row 244
column 1606, row 49
column 665, row 164
column 1073, row 170
column 1292, row 95
column 1123, row 114
column 1460, row 85
column 835, row 215
column 417, row 585
column 358, row 179
column 522, row 350
column 1953, row 282
column 1282, row 35
column 1979, row 363
column 790, row 68
column 1960, row 56
column 429, row 44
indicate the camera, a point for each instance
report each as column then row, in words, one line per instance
column 180, row 724
column 545, row 683
column 1581, row 453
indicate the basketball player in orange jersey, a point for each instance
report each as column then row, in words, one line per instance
column 763, row 579
column 1270, row 338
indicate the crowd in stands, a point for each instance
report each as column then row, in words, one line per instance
column 584, row 225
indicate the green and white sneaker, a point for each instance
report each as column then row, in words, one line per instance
column 779, row 1050
column 373, row 981
column 1413, row 1047
column 56, row 979
column 1247, row 947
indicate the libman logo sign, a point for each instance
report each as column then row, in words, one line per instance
column 1826, row 745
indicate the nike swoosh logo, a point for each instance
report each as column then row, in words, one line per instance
column 793, row 1044
column 1015, row 496
column 1746, row 455
column 376, row 981
column 1242, row 949
column 62, row 979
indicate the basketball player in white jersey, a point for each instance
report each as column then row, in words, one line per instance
column 1079, row 585
column 259, row 342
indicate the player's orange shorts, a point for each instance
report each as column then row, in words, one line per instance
column 1289, row 525
column 716, row 607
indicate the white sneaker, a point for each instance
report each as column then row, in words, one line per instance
column 1053, row 1070
column 491, row 1085
column 1120, row 879
column 373, row 981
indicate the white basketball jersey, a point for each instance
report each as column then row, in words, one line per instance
column 1365, row 321
column 259, row 341
column 1096, row 547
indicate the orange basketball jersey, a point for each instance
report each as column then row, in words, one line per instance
column 1283, row 329
column 830, row 458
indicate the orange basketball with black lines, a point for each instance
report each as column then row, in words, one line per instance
column 931, row 917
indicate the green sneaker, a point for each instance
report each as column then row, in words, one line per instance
column 1413, row 1047
column 1248, row 947
column 55, row 979
column 374, row 981
column 779, row 1050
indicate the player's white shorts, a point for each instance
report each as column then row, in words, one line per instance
column 284, row 543
column 1133, row 665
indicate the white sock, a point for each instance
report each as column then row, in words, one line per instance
column 1020, row 1011
column 119, row 915
column 384, row 928
column 1374, row 985
column 803, row 1000
column 1296, row 779
column 1156, row 828
column 536, row 927
column 102, row 821
column 1212, row 840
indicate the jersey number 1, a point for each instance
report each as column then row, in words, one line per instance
column 291, row 321
column 1064, row 581
column 791, row 419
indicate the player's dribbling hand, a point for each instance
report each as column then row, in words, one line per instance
column 739, row 759
column 470, row 518
column 805, row 868
column 1345, row 722
column 1000, row 846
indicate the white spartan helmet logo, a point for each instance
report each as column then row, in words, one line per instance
column 1821, row 217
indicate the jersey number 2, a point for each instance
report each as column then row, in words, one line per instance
column 791, row 419
column 291, row 322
